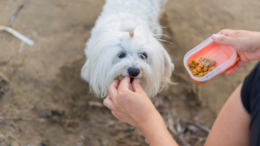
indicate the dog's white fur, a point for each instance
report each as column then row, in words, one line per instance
column 110, row 37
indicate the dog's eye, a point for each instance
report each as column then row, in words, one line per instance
column 144, row 55
column 122, row 55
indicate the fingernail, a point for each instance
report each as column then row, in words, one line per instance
column 215, row 37
column 137, row 80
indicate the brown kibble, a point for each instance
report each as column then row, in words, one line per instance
column 192, row 61
column 199, row 69
column 190, row 64
column 205, row 69
column 212, row 68
column 206, row 62
column 192, row 67
column 201, row 66
column 197, row 63
column 201, row 74
column 205, row 73
column 195, row 72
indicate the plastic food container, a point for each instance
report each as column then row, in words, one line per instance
column 225, row 57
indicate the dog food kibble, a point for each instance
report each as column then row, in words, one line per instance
column 206, row 62
column 205, row 69
column 212, row 68
column 196, row 71
column 191, row 64
column 201, row 75
column 200, row 70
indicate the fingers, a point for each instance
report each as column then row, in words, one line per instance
column 112, row 90
column 124, row 84
column 227, row 32
column 136, row 86
column 223, row 40
column 109, row 103
column 237, row 66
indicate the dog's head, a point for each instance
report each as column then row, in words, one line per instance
column 117, row 54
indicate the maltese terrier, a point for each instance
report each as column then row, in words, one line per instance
column 124, row 42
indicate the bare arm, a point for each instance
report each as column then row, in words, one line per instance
column 157, row 134
column 231, row 127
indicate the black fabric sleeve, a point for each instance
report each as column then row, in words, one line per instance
column 250, row 96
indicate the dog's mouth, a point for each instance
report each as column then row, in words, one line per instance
column 131, row 80
column 122, row 77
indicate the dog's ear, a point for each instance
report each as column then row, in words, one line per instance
column 168, row 66
column 85, row 72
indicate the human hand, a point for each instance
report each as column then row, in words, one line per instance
column 247, row 44
column 135, row 108
column 132, row 107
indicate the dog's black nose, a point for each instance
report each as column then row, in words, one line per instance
column 133, row 72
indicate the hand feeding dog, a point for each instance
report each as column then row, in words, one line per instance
column 124, row 42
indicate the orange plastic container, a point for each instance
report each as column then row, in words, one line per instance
column 225, row 57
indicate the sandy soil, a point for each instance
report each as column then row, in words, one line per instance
column 43, row 101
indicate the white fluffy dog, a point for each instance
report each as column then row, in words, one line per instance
column 124, row 43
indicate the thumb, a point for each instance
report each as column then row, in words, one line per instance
column 136, row 86
column 223, row 40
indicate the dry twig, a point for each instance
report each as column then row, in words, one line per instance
column 17, row 35
column 18, row 10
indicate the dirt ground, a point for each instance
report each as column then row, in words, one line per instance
column 44, row 102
